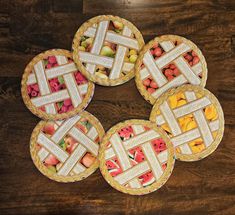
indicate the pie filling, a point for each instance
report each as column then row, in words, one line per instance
column 170, row 71
column 108, row 50
column 67, row 144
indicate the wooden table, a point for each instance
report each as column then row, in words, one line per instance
column 32, row 26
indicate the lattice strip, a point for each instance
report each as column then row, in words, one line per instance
column 182, row 64
column 43, row 85
column 155, row 72
column 72, row 160
column 201, row 120
column 119, row 58
column 152, row 160
column 98, row 42
column 115, row 38
column 186, row 109
column 172, row 55
column 84, row 140
column 133, row 172
column 72, row 89
column 50, row 98
column 193, row 134
column 54, row 72
column 123, row 158
column 170, row 118
column 52, row 148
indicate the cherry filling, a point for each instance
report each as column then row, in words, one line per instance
column 170, row 71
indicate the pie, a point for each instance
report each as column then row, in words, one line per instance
column 168, row 61
column 67, row 150
column 136, row 157
column 52, row 86
column 193, row 119
column 105, row 49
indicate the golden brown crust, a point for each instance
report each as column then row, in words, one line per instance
column 76, row 40
column 43, row 169
column 139, row 191
column 215, row 102
column 36, row 110
column 147, row 96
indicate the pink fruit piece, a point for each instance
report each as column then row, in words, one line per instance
column 147, row 179
column 52, row 59
column 48, row 66
column 69, row 142
column 170, row 77
column 194, row 53
column 172, row 66
column 71, row 148
column 152, row 51
column 70, row 108
column 138, row 154
column 34, row 93
column 51, row 160
column 159, row 145
column 188, row 57
column 64, row 109
column 151, row 90
column 126, row 132
column 35, row 87
column 153, row 84
column 176, row 72
column 157, row 52
column 88, row 159
column 191, row 63
column 146, row 82
column 195, row 60
column 168, row 72
column 67, row 102
column 80, row 77
column 49, row 128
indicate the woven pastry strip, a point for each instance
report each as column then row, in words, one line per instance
column 193, row 118
column 166, row 62
column 66, row 150
column 136, row 157
column 101, row 51
column 52, row 86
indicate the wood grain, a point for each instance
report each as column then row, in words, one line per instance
column 31, row 26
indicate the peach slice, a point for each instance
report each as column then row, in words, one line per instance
column 210, row 112
column 88, row 160
column 197, row 145
column 173, row 101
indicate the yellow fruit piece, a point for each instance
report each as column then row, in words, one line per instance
column 81, row 48
column 180, row 96
column 173, row 101
column 101, row 74
column 184, row 123
column 166, row 128
column 133, row 58
column 181, row 102
column 133, row 52
column 197, row 145
column 210, row 112
column 191, row 125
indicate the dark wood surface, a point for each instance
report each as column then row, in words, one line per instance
column 28, row 27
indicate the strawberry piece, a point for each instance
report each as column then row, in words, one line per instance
column 151, row 90
column 51, row 160
column 168, row 72
column 153, row 84
column 157, row 52
column 146, row 82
